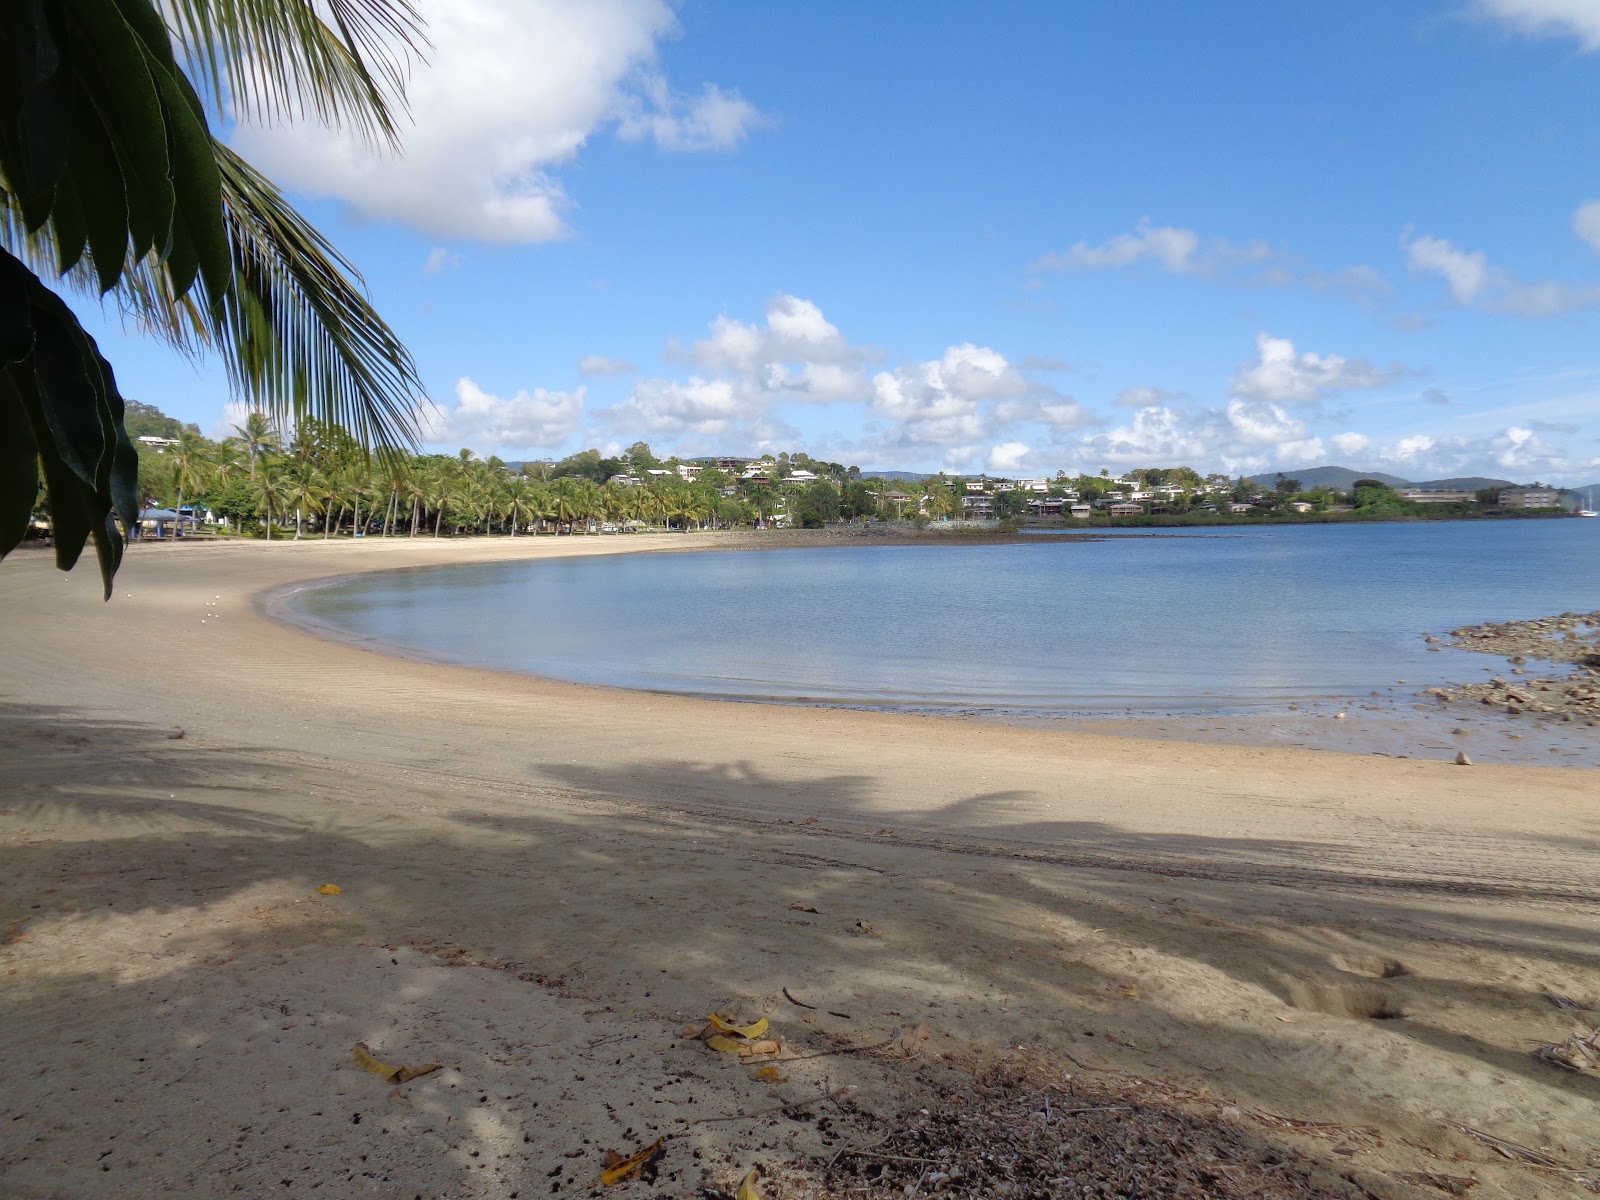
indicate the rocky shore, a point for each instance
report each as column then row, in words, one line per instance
column 1571, row 638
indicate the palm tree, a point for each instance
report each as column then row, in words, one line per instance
column 271, row 488
column 305, row 489
column 115, row 183
column 192, row 469
column 258, row 437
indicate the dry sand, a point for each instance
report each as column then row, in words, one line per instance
column 1339, row 962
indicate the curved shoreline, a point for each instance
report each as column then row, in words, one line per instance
column 1392, row 724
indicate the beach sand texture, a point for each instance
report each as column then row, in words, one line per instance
column 542, row 883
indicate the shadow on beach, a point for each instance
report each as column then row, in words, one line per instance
column 181, row 1003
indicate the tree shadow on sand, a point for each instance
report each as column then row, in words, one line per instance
column 1189, row 959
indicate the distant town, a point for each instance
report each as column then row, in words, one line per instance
column 319, row 481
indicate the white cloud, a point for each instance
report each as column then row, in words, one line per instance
column 1146, row 397
column 510, row 90
column 1281, row 376
column 713, row 120
column 1475, row 283
column 797, row 353
column 1175, row 249
column 1559, row 18
column 1350, row 443
column 1241, row 436
column 936, row 402
column 1586, row 224
column 440, row 260
column 1009, row 458
column 1465, row 273
column 695, row 406
column 491, row 424
column 599, row 364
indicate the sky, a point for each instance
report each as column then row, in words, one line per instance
column 1015, row 238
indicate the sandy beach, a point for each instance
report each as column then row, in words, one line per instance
column 1341, row 962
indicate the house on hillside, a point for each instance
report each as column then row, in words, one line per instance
column 1124, row 509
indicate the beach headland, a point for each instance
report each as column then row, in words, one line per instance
column 1335, row 968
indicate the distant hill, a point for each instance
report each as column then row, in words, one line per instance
column 1343, row 477
column 1470, row 483
column 1335, row 477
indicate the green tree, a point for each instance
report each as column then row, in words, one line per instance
column 114, row 184
column 192, row 469
column 816, row 505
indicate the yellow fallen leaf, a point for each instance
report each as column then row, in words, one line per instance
column 771, row 1074
column 763, row 1046
column 748, row 1189
column 365, row 1059
column 329, row 889
column 628, row 1167
column 723, row 1025
column 727, row 1045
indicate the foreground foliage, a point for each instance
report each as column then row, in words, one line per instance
column 112, row 182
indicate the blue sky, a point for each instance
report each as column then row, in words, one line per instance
column 1014, row 237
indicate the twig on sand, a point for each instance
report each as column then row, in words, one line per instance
column 792, row 1000
column 1533, row 1158
column 888, row 1041
column 762, row 1112
column 1513, row 1151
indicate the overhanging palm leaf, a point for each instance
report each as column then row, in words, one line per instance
column 110, row 177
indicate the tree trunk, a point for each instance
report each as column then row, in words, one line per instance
column 355, row 520
column 438, row 519
column 269, row 520
column 413, row 532
column 177, row 520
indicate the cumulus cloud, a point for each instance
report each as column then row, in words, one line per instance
column 511, row 89
column 1350, row 443
column 1009, row 458
column 1548, row 18
column 695, row 407
column 600, row 365
column 1241, row 436
column 1473, row 282
column 487, row 423
column 1175, row 249
column 936, row 402
column 796, row 352
column 1281, row 376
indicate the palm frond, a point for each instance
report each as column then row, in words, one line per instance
column 299, row 336
column 275, row 60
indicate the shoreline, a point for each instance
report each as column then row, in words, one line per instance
column 1396, row 723
column 542, row 883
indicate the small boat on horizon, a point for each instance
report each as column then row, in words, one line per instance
column 1588, row 506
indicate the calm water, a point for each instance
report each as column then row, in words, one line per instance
column 1201, row 621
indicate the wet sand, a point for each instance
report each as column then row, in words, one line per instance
column 542, row 883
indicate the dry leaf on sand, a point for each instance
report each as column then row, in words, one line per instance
column 748, row 1189
column 619, row 1168
column 913, row 1040
column 367, row 1061
column 723, row 1025
column 329, row 889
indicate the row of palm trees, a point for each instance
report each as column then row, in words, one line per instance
column 253, row 474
